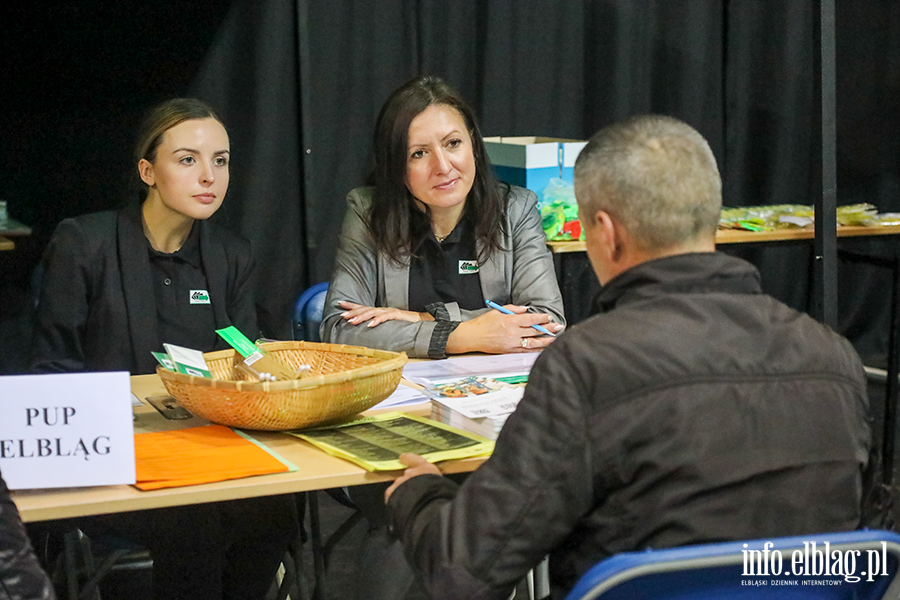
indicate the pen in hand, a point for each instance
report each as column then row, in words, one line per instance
column 506, row 311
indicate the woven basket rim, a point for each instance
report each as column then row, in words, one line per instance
column 388, row 361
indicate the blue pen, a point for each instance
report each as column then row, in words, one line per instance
column 506, row 311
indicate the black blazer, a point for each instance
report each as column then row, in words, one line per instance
column 97, row 310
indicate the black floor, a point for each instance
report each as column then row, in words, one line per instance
column 342, row 567
column 135, row 584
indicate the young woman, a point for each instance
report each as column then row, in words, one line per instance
column 117, row 285
column 434, row 237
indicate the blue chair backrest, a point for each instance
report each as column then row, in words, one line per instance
column 752, row 569
column 308, row 312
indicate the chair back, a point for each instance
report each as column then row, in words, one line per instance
column 861, row 565
column 308, row 312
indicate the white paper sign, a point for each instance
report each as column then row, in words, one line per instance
column 66, row 430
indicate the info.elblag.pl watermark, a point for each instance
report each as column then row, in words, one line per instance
column 770, row 567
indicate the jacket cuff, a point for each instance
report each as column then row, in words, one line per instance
column 422, row 342
column 442, row 311
column 437, row 348
column 411, row 497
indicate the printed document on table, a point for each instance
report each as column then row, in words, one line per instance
column 376, row 443
column 492, row 404
column 402, row 396
column 424, row 373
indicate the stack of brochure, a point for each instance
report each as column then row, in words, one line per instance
column 486, row 427
column 473, row 393
column 483, row 414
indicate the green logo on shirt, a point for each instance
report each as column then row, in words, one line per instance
column 199, row 297
column 467, row 267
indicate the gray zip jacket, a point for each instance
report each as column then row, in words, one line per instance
column 522, row 273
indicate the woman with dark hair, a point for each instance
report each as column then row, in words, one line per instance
column 434, row 237
column 117, row 285
column 422, row 249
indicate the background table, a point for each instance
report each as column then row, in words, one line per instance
column 11, row 228
column 739, row 236
column 316, row 471
column 579, row 285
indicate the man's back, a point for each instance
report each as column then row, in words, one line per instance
column 713, row 412
column 694, row 409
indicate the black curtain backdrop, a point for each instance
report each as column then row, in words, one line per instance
column 75, row 78
column 300, row 82
column 741, row 71
column 250, row 76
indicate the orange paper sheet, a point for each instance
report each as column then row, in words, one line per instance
column 198, row 455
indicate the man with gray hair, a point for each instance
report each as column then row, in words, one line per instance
column 693, row 409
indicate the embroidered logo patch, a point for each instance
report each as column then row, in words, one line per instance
column 467, row 267
column 199, row 297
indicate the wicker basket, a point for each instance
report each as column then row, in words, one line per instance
column 343, row 381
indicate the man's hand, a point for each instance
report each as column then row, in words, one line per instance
column 416, row 466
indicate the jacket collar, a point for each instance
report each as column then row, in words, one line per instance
column 216, row 268
column 702, row 272
column 137, row 287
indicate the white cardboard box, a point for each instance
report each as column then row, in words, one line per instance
column 531, row 161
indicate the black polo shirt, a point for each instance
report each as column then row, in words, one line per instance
column 446, row 271
column 184, row 313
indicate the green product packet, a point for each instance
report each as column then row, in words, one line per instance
column 513, row 379
column 188, row 360
column 238, row 340
column 164, row 360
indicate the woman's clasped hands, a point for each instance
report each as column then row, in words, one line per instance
column 358, row 314
column 492, row 332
